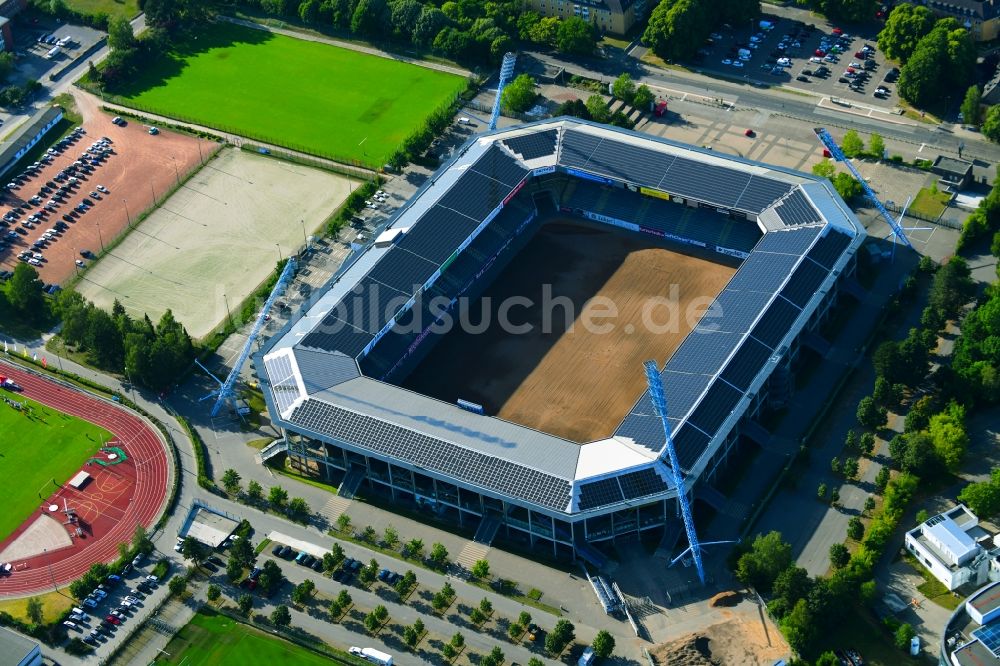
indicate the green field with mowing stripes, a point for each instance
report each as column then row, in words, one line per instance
column 308, row 96
column 39, row 446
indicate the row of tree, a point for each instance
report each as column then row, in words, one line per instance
column 938, row 55
column 677, row 28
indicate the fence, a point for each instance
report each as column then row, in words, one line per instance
column 940, row 220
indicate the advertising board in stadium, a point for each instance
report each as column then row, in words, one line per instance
column 673, row 237
column 655, row 193
column 597, row 217
column 513, row 193
column 590, row 176
column 731, row 252
column 541, row 171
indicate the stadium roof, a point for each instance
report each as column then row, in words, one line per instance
column 317, row 386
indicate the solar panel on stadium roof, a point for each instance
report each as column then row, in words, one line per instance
column 600, row 493
column 402, row 270
column 775, row 323
column 645, row 431
column 828, row 249
column 715, row 407
column 789, row 241
column 497, row 164
column 642, row 483
column 534, row 145
column 690, row 443
column 795, row 209
column 627, row 162
column 475, row 195
column 437, row 234
column 338, row 335
column 733, row 311
column 703, row 352
column 746, row 364
column 804, row 282
column 761, row 193
column 706, row 182
column 682, row 390
column 577, row 147
column 762, row 272
column 989, row 635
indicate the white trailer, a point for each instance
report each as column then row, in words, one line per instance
column 372, row 655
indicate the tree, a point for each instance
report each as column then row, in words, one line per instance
column 481, row 569
column 677, row 29
column 369, row 18
column 643, row 98
column 948, row 436
column 821, row 492
column 903, row 635
column 214, row 592
column 24, row 292
column 302, row 591
column 881, row 479
column 869, row 504
column 193, row 550
column 449, row 652
column 906, row 26
column 414, row 548
column 494, row 657
column 834, row 495
column 343, row 522
column 839, row 555
column 624, row 88
column 277, row 497
column 876, row 145
column 254, row 491
column 855, row 528
column 768, row 556
column 234, row 569
column 410, row 637
column 245, row 603
column 798, row 627
column 852, row 145
column 271, row 577
column 943, row 60
column 835, row 465
column 368, row 572
column 991, row 124
column 971, row 105
column 824, row 169
column 604, row 644
column 369, row 534
column 983, row 497
column 598, row 108
column 850, row 467
column 439, row 555
column 870, row 415
column 34, row 610
column 242, row 551
column 298, row 508
column 519, row 94
column 281, row 616
column 477, row 616
column 177, row 586
column 486, row 606
column 535, row 661
column 390, row 537
column 560, row 636
column 847, row 186
column 405, row 584
column 458, row 640
column 120, row 35
column 231, row 481
column 576, row 36
column 524, row 618
column 828, row 658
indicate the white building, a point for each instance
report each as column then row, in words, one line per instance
column 953, row 547
column 18, row 650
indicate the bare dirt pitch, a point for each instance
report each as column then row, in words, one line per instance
column 574, row 381
column 215, row 239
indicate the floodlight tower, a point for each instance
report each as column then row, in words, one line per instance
column 659, row 400
column 225, row 392
column 898, row 232
column 506, row 70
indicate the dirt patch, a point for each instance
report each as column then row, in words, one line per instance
column 725, row 599
column 143, row 167
column 214, row 240
column 562, row 375
column 735, row 642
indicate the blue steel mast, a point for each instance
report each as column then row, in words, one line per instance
column 506, row 70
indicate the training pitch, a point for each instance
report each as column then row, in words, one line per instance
column 304, row 95
column 211, row 639
column 570, row 381
column 37, row 448
column 215, row 239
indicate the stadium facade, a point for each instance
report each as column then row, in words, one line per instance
column 327, row 375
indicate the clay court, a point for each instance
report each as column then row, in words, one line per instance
column 571, row 381
column 215, row 239
column 128, row 487
column 142, row 167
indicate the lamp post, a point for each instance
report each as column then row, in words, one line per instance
column 279, row 252
column 229, row 316
column 306, row 240
column 127, row 216
column 100, row 237
column 177, row 174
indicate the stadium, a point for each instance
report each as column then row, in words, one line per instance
column 546, row 436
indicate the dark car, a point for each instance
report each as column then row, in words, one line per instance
column 804, row 79
column 317, row 566
column 286, row 552
column 277, row 550
column 216, row 561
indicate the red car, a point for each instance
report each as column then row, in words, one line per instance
column 819, row 53
column 113, row 620
column 750, row 133
column 838, row 31
column 860, row 54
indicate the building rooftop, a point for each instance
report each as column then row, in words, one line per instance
column 952, row 165
column 14, row 647
column 986, row 600
column 974, row 654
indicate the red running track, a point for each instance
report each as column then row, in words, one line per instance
column 149, row 472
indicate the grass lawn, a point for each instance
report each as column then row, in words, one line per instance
column 299, row 94
column 126, row 8
column 53, row 604
column 213, row 639
column 861, row 631
column 35, row 450
column 929, row 203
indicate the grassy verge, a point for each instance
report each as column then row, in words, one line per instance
column 932, row 588
column 930, row 203
column 54, row 605
column 261, row 546
column 309, row 481
column 532, row 598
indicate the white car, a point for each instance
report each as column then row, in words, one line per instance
column 737, row 63
column 727, row 61
column 815, row 59
column 101, row 188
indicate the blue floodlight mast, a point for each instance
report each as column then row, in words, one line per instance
column 660, row 405
column 838, row 154
column 225, row 391
column 506, row 70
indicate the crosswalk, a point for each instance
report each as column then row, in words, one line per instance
column 471, row 553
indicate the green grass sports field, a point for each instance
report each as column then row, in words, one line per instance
column 35, row 450
column 299, row 94
column 211, row 639
column 126, row 8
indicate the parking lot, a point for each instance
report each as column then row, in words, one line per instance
column 813, row 57
column 63, row 41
